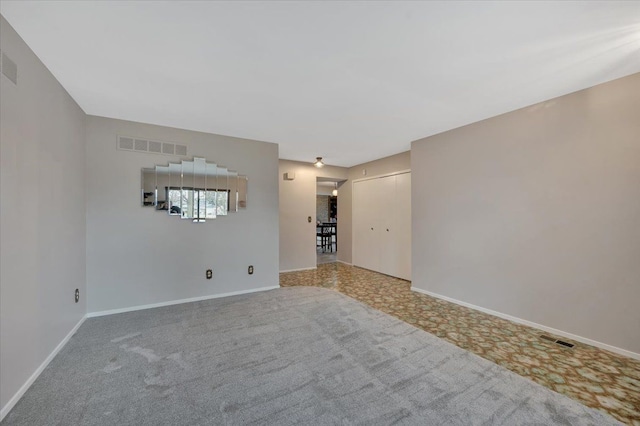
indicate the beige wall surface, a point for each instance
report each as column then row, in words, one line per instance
column 297, row 203
column 383, row 166
column 42, row 215
column 138, row 256
column 536, row 213
column 324, row 190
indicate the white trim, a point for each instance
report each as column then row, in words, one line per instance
column 577, row 338
column 399, row 172
column 342, row 261
column 175, row 302
column 299, row 269
column 16, row 397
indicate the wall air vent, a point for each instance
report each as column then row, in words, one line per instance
column 140, row 145
column 127, row 143
column 559, row 342
column 9, row 68
column 155, row 147
column 168, row 148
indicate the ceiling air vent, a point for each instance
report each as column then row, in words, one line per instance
column 127, row 143
column 9, row 68
column 559, row 342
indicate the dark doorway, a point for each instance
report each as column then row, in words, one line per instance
column 333, row 207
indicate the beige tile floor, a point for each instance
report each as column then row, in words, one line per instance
column 326, row 257
column 595, row 377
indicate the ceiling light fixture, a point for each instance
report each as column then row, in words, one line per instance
column 318, row 162
column 335, row 191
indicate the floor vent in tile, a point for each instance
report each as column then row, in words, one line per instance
column 559, row 342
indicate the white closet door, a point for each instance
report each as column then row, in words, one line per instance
column 358, row 222
column 403, row 226
column 387, row 234
column 382, row 225
column 365, row 224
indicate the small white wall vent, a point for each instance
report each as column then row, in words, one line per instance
column 9, row 68
column 127, row 143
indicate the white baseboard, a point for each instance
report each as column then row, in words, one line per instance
column 346, row 263
column 13, row 401
column 175, row 302
column 300, row 269
column 581, row 339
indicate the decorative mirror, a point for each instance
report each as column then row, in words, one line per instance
column 174, row 190
column 162, row 180
column 148, row 187
column 195, row 190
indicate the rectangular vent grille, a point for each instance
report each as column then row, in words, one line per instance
column 9, row 68
column 142, row 145
column 156, row 147
column 126, row 143
column 167, row 148
column 559, row 342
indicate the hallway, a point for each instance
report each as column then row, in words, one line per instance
column 326, row 257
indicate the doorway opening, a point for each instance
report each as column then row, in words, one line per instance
column 326, row 220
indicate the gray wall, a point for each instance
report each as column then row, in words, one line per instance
column 391, row 164
column 536, row 213
column 138, row 256
column 42, row 215
column 297, row 202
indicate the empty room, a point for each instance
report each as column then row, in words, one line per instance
column 319, row 212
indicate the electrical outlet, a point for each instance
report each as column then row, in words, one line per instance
column 77, row 295
column 250, row 270
column 209, row 274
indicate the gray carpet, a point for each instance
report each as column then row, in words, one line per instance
column 288, row 356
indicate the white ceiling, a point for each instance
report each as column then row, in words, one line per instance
column 348, row 81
